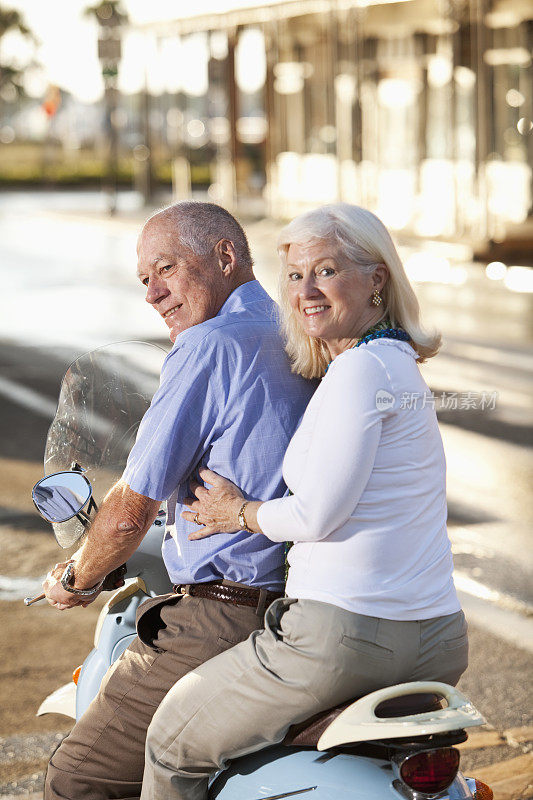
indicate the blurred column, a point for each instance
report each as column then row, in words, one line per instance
column 110, row 18
column 181, row 168
column 527, row 120
column 230, row 180
column 272, row 144
column 360, row 73
column 345, row 119
column 421, row 41
column 222, row 118
column 332, row 70
column 144, row 177
column 479, row 46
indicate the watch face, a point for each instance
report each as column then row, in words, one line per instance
column 66, row 578
column 67, row 582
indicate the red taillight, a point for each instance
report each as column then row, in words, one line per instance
column 483, row 792
column 431, row 771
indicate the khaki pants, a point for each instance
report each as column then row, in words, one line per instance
column 103, row 756
column 310, row 657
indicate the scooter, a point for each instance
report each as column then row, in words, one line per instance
column 396, row 742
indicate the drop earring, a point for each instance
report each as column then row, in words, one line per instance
column 376, row 298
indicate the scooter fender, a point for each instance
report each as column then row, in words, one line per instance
column 115, row 631
column 146, row 576
column 62, row 701
column 286, row 772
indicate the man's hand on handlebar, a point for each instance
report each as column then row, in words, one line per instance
column 59, row 597
column 114, row 580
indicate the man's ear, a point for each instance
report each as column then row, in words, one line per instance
column 226, row 257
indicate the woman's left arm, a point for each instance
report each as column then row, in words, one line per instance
column 338, row 463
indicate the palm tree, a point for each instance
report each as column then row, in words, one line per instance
column 11, row 19
column 11, row 76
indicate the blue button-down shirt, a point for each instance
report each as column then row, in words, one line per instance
column 227, row 400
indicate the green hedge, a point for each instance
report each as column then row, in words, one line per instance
column 88, row 173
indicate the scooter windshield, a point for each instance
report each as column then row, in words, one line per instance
column 103, row 398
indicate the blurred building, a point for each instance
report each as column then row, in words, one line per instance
column 418, row 109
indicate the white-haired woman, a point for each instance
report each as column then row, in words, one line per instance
column 370, row 595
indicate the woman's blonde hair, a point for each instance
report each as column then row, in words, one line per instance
column 362, row 238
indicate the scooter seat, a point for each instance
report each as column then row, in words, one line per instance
column 308, row 732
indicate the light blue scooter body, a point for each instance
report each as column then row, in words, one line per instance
column 283, row 772
column 117, row 633
column 319, row 776
column 118, row 628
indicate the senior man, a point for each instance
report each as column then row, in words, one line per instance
column 227, row 400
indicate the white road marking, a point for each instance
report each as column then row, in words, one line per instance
column 488, row 354
column 40, row 404
column 15, row 588
column 472, row 587
column 28, row 398
column 513, row 628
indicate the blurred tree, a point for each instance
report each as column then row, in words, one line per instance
column 11, row 76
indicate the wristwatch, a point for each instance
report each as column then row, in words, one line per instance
column 242, row 519
column 67, row 579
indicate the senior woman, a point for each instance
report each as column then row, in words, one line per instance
column 371, row 600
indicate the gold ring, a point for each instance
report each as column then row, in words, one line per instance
column 196, row 520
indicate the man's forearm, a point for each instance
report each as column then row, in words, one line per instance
column 118, row 529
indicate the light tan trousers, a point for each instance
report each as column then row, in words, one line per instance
column 310, row 657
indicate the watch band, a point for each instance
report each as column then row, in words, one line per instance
column 67, row 576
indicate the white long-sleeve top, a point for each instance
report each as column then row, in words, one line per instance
column 368, row 473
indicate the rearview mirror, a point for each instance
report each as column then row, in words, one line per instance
column 61, row 496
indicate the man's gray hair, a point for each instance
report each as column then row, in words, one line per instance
column 202, row 225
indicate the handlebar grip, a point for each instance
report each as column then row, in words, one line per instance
column 29, row 601
column 114, row 579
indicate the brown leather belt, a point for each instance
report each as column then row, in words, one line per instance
column 237, row 595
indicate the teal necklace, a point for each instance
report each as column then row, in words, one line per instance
column 381, row 330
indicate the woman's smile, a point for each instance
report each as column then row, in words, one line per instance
column 311, row 311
